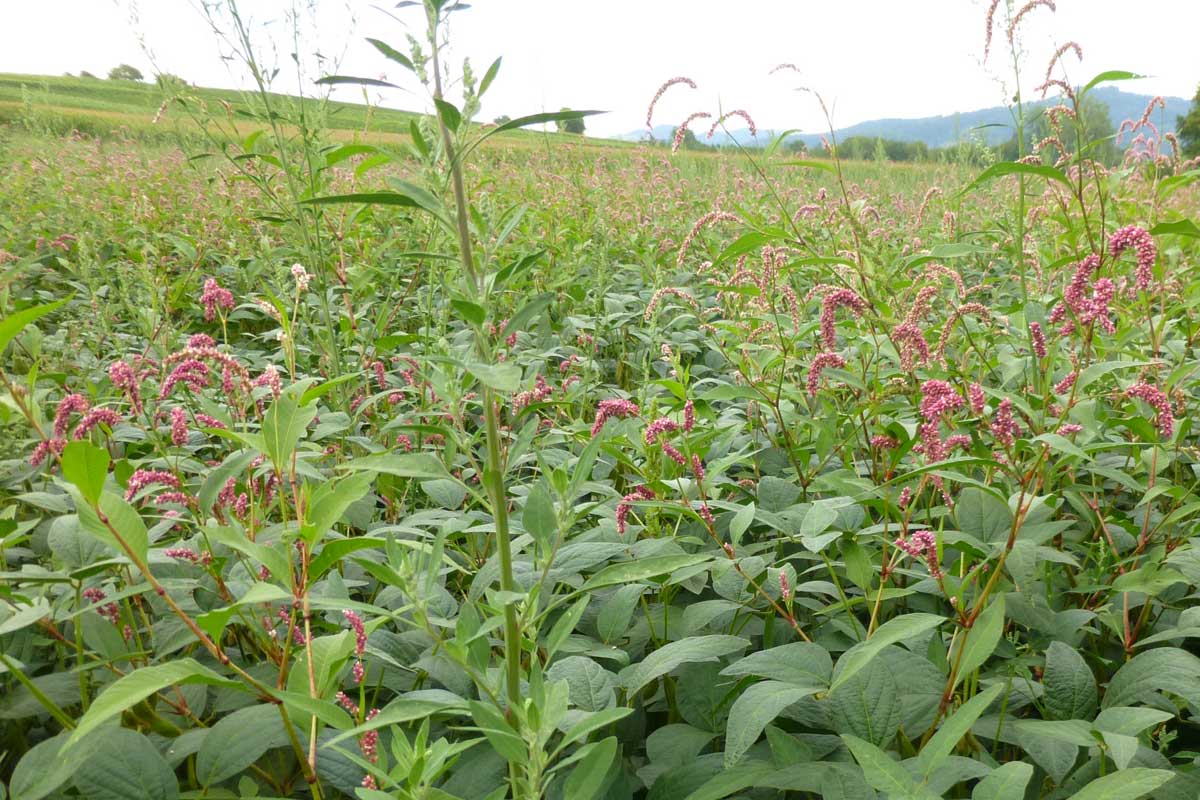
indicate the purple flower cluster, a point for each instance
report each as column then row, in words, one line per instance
column 1004, row 428
column 213, row 297
column 922, row 544
column 639, row 493
column 657, row 429
column 1143, row 243
column 822, row 362
column 1162, row 406
column 612, row 408
column 142, row 478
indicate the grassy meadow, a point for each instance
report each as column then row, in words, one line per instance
column 347, row 452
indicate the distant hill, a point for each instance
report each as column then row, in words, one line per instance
column 994, row 124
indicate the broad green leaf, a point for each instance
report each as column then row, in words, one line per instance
column 882, row 772
column 13, row 324
column 1003, row 168
column 642, row 569
column 869, row 705
column 126, row 766
column 1128, row 784
column 121, row 518
column 402, row 465
column 953, row 728
column 283, row 426
column 237, row 741
column 391, row 53
column 136, row 686
column 501, row 377
column 698, row 648
column 48, row 765
column 587, row 778
column 754, row 709
column 86, row 466
column 741, row 522
column 539, row 517
column 1007, row 782
column 895, row 630
column 330, row 501
column 1163, row 668
column 798, row 663
column 1130, row 721
column 615, row 613
column 982, row 515
column 1069, row 683
column 980, row 641
column 235, row 464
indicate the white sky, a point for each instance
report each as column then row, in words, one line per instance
column 869, row 58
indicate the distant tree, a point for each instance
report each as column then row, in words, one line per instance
column 1188, row 128
column 85, row 74
column 690, row 142
column 570, row 125
column 1098, row 133
column 503, row 119
column 881, row 153
column 169, row 82
column 124, row 72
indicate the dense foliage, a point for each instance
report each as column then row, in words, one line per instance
column 461, row 471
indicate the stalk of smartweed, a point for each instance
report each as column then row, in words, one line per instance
column 494, row 469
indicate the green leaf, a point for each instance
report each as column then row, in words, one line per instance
column 338, row 80
column 754, row 709
column 615, row 613
column 1163, row 668
column 868, row 705
column 329, row 502
column 235, row 464
column 539, row 518
column 978, row 644
column 126, row 766
column 1109, row 75
column 698, row 648
column 954, row 728
column 1128, row 784
column 86, row 465
column 1003, row 168
column 402, row 465
column 488, row 77
column 799, row 663
column 13, row 324
column 501, row 377
column 213, row 622
column 1180, row 227
column 48, row 765
column 1070, row 685
column 283, row 426
column 471, row 312
column 741, row 521
column 367, row 198
column 133, row 687
column 391, row 53
column 982, row 515
column 1007, row 782
column 882, row 772
column 237, row 741
column 587, row 777
column 565, row 624
column 450, row 115
column 895, row 630
column 123, row 518
column 641, row 569
column 1130, row 721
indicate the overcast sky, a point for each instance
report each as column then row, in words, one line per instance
column 869, row 58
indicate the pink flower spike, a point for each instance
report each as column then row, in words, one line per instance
column 1143, row 243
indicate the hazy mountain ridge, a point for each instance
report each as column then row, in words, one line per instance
column 948, row 129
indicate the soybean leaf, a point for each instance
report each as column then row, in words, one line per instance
column 133, row 687
column 587, row 777
column 981, row 640
column 699, row 648
column 954, row 728
column 126, row 766
column 754, row 709
column 903, row 627
column 1069, row 684
column 1128, row 784
column 882, row 772
column 1007, row 782
column 641, row 569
